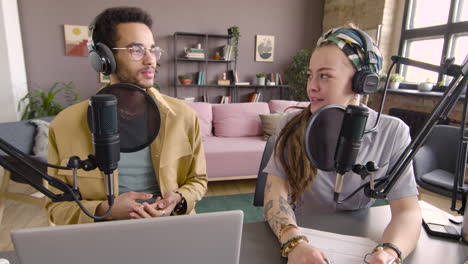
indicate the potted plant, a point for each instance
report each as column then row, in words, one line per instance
column 41, row 103
column 425, row 86
column 297, row 75
column 395, row 79
column 185, row 79
column 260, row 78
column 233, row 31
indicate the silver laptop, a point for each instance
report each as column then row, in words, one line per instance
column 203, row 238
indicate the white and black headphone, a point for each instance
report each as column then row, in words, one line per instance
column 100, row 55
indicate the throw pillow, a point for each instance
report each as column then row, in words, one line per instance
column 41, row 139
column 270, row 122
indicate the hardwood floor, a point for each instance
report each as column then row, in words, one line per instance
column 20, row 215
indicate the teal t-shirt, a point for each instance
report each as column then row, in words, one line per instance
column 136, row 173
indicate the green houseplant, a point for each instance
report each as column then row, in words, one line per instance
column 297, row 75
column 185, row 79
column 233, row 31
column 260, row 78
column 395, row 79
column 41, row 103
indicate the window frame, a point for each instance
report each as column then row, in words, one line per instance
column 448, row 31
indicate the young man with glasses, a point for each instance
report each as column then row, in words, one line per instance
column 172, row 169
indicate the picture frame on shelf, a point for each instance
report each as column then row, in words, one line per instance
column 264, row 48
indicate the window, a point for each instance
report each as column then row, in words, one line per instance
column 432, row 31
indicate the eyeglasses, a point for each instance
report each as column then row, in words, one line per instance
column 139, row 51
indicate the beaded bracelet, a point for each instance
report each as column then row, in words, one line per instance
column 289, row 245
column 181, row 207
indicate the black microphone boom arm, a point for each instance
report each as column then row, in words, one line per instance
column 441, row 111
column 28, row 167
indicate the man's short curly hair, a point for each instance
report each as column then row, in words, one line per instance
column 105, row 24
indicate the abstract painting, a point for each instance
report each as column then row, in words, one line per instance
column 76, row 38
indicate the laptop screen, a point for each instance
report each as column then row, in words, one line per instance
column 203, row 238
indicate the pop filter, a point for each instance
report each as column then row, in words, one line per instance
column 321, row 136
column 138, row 116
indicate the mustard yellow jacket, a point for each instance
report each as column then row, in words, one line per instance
column 177, row 155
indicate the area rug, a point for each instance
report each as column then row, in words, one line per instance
column 242, row 202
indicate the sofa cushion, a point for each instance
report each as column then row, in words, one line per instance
column 41, row 139
column 233, row 156
column 238, row 120
column 279, row 106
column 205, row 115
column 269, row 123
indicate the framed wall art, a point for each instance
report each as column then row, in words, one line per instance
column 76, row 38
column 264, row 48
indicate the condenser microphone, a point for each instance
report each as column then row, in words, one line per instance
column 106, row 138
column 349, row 143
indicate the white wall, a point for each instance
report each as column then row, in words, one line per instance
column 13, row 81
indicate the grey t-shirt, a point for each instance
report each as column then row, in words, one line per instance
column 383, row 146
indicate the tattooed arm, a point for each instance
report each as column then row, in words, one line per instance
column 277, row 211
column 279, row 214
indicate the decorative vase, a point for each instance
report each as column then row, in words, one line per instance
column 394, row 85
column 260, row 80
column 425, row 86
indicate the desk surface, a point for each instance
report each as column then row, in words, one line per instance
column 259, row 245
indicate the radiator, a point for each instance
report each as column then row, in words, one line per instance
column 415, row 120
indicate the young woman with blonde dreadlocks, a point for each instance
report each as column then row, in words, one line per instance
column 294, row 187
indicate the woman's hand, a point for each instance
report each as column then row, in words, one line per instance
column 382, row 256
column 305, row 253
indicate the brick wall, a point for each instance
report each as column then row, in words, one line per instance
column 368, row 15
column 418, row 103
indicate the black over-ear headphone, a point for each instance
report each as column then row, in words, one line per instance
column 366, row 81
column 100, row 55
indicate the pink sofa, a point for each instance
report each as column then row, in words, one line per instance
column 233, row 136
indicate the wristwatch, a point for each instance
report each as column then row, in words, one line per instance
column 181, row 207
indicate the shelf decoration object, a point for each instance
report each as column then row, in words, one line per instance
column 195, row 53
column 425, row 86
column 260, row 78
column 185, row 79
column 234, row 33
column 264, row 48
column 224, row 81
column 395, row 80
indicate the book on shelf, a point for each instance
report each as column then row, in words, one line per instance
column 201, row 78
column 242, row 83
column 205, row 98
column 194, row 55
column 257, row 98
column 275, row 78
column 188, row 99
column 196, row 50
column 227, row 52
column 225, row 99
column 254, row 97
column 224, row 82
column 232, row 76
